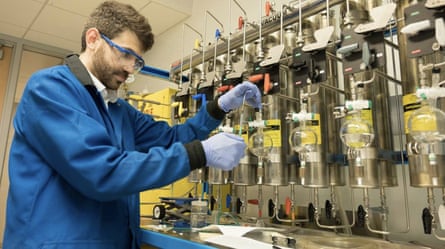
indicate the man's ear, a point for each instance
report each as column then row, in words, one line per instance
column 92, row 37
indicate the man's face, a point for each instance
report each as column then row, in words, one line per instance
column 115, row 59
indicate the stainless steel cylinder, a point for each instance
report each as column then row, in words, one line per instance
column 424, row 160
column 336, row 169
column 289, row 39
column 316, row 170
column 384, row 131
column 331, row 126
column 290, row 106
column 198, row 175
column 426, row 165
column 275, row 169
column 245, row 173
column 363, row 170
column 218, row 176
column 337, row 176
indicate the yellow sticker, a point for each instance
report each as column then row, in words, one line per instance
column 410, row 104
column 273, row 129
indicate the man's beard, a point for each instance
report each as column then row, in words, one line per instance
column 105, row 73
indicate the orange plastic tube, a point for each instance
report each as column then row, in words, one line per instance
column 255, row 78
column 267, row 84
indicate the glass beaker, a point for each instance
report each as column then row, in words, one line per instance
column 198, row 215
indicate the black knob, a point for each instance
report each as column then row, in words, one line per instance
column 238, row 205
column 427, row 220
column 311, row 212
column 212, row 202
column 361, row 214
column 271, row 207
column 328, row 209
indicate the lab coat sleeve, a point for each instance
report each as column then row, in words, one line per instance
column 56, row 119
column 150, row 133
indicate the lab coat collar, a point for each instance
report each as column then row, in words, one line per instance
column 109, row 96
column 82, row 73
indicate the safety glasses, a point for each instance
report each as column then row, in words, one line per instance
column 128, row 57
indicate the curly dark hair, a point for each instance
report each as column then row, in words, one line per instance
column 112, row 18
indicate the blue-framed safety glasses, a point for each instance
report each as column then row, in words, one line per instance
column 128, row 57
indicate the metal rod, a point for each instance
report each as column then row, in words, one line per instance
column 327, row 13
column 244, row 201
column 260, row 42
column 300, row 24
column 432, row 208
column 385, row 76
column 332, row 88
column 317, row 215
column 243, row 30
column 222, row 26
column 251, row 32
column 400, row 140
column 275, row 212
column 228, row 39
column 182, row 52
column 367, row 222
column 281, row 96
column 241, row 8
column 233, row 198
column 205, row 37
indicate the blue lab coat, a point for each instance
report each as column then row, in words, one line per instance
column 76, row 168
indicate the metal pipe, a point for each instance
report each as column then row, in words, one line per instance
column 347, row 20
column 147, row 101
column 400, row 125
column 317, row 215
column 432, row 208
column 327, row 13
column 204, row 40
column 405, row 185
column 244, row 200
column 219, row 203
column 228, row 65
column 443, row 196
column 333, row 202
column 281, row 21
column 384, row 207
column 283, row 6
column 260, row 55
column 338, row 90
column 260, row 222
column 276, row 203
column 233, row 197
column 387, row 77
column 191, row 71
column 244, row 29
column 281, row 96
column 214, row 59
column 251, row 32
column 404, row 174
column 182, row 52
column 300, row 40
column 366, row 203
column 214, row 18
column 239, row 6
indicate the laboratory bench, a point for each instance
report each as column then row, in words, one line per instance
column 183, row 240
column 261, row 238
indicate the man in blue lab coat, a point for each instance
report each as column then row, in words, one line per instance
column 80, row 155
